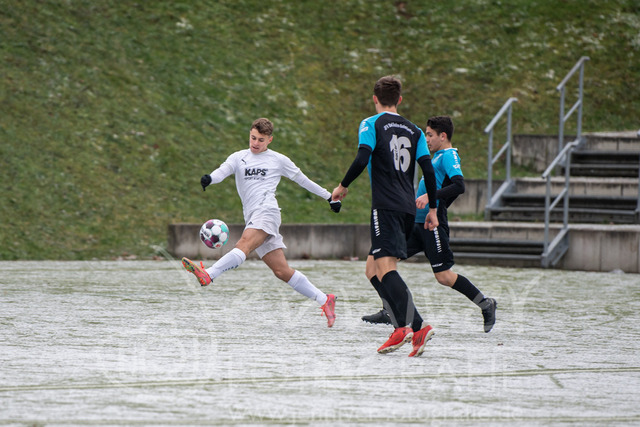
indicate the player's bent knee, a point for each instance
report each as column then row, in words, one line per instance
column 283, row 274
column 446, row 278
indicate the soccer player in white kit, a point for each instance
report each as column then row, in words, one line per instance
column 257, row 172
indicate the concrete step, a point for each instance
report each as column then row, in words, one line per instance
column 507, row 244
column 612, row 141
column 591, row 186
column 605, row 157
column 576, row 215
column 576, row 201
column 497, row 246
column 500, row 231
column 605, row 163
column 505, row 260
column 603, row 170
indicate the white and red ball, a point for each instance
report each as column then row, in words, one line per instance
column 214, row 233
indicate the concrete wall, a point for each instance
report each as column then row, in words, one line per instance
column 536, row 151
column 319, row 241
column 592, row 247
column 603, row 248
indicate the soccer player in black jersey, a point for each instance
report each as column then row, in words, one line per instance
column 435, row 243
column 390, row 144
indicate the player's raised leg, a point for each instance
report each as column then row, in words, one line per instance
column 251, row 238
column 460, row 283
column 300, row 283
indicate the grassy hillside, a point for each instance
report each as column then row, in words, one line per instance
column 110, row 111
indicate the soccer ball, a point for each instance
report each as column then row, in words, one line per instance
column 214, row 233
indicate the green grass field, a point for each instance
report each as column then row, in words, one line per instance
column 112, row 110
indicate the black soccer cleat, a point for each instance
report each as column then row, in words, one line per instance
column 380, row 317
column 488, row 306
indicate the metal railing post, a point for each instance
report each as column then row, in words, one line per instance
column 564, row 156
column 507, row 107
column 580, row 93
column 561, row 124
column 510, row 145
column 490, row 168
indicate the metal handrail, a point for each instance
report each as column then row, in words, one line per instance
column 564, row 154
column 577, row 105
column 507, row 107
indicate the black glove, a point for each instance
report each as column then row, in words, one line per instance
column 204, row 181
column 335, row 206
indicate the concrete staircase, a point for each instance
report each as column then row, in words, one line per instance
column 597, row 200
column 512, row 244
column 603, row 190
column 603, row 186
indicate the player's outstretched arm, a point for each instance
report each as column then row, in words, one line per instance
column 359, row 164
column 303, row 181
column 217, row 175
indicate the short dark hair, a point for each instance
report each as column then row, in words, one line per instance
column 388, row 89
column 441, row 124
column 263, row 126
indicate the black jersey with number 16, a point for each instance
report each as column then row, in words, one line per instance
column 395, row 145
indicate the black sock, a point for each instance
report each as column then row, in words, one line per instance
column 417, row 320
column 466, row 288
column 400, row 301
column 375, row 282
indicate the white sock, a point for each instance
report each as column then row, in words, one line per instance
column 230, row 260
column 301, row 284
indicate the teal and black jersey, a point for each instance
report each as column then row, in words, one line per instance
column 446, row 165
column 396, row 144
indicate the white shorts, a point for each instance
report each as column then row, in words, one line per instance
column 267, row 220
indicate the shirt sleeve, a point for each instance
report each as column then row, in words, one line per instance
column 453, row 190
column 429, row 180
column 422, row 148
column 359, row 164
column 304, row 182
column 452, row 163
column 293, row 172
column 223, row 171
column 367, row 134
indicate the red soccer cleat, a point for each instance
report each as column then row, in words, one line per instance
column 329, row 309
column 420, row 339
column 397, row 339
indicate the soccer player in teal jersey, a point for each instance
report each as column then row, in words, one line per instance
column 390, row 145
column 435, row 243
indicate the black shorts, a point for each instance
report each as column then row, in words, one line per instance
column 389, row 233
column 434, row 244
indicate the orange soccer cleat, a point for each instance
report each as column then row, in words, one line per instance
column 197, row 270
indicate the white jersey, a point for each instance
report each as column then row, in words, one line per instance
column 258, row 175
